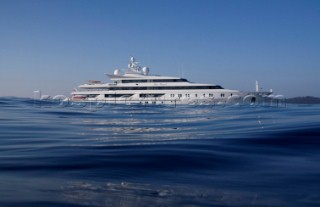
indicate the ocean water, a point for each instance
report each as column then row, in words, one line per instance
column 136, row 156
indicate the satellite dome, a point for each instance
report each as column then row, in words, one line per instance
column 145, row 70
column 117, row 72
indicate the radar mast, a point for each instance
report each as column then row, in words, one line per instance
column 133, row 65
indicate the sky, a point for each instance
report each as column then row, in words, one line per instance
column 56, row 45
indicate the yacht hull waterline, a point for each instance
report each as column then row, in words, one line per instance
column 136, row 86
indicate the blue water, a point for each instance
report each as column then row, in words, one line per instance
column 140, row 156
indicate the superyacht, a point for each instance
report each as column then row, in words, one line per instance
column 137, row 86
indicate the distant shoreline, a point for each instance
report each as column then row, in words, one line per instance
column 303, row 100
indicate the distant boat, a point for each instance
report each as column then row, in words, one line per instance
column 136, row 86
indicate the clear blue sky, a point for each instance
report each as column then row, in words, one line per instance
column 57, row 45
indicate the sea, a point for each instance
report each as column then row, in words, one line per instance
column 99, row 155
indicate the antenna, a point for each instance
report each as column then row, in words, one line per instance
column 133, row 65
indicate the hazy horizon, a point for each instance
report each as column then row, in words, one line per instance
column 54, row 46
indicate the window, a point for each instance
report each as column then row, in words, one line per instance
column 164, row 88
column 150, row 95
column 117, row 95
column 92, row 95
column 154, row 80
column 134, row 81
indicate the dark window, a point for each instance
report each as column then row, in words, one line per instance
column 134, row 81
column 151, row 95
column 166, row 88
column 92, row 95
column 154, row 80
column 117, row 95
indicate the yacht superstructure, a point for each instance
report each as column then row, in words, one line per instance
column 137, row 86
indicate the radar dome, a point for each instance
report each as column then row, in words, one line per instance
column 145, row 70
column 117, row 72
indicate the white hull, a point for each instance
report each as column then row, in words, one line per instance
column 241, row 98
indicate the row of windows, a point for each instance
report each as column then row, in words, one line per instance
column 128, row 95
column 152, row 95
column 196, row 95
column 155, row 80
column 117, row 95
column 166, row 88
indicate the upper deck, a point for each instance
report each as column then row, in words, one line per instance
column 138, row 78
